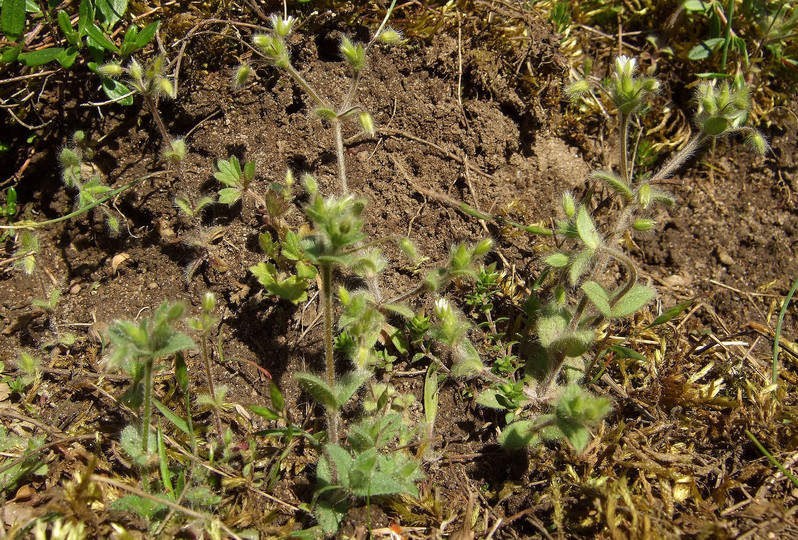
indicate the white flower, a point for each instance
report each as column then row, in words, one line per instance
column 442, row 309
column 625, row 66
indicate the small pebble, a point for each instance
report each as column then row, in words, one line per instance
column 152, row 285
column 74, row 289
column 724, row 257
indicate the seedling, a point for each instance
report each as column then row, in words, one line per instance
column 136, row 349
column 567, row 325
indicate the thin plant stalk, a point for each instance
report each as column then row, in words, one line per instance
column 206, row 360
column 147, row 413
column 329, row 353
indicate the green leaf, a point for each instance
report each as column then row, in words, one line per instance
column 292, row 288
column 117, row 91
column 292, row 250
column 96, row 34
column 349, row 383
column 576, row 433
column 145, row 36
column 68, row 57
column 519, row 434
column 181, row 372
column 42, row 56
column 146, row 508
column 671, row 313
column 489, row 399
column 626, row 352
column 557, row 260
column 598, row 296
column 10, row 54
column 112, row 10
column 306, row 271
column 12, row 18
column 85, row 17
column 696, row 5
column 181, row 424
column 635, row 299
column 265, row 412
column 704, row 49
column 614, row 182
column 431, row 394
column 341, row 460
column 277, row 397
column 587, row 229
column 178, row 341
column 579, row 265
column 318, row 390
column 166, row 474
column 401, row 309
column 229, row 196
column 66, row 27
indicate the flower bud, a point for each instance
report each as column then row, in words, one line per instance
column 390, row 36
column 483, row 247
column 208, row 302
column 310, row 184
column 644, row 195
column 367, row 123
column 354, row 54
column 166, row 88
column 110, row 70
column 409, row 249
column 344, row 296
column 443, row 310
column 568, row 204
column 577, row 89
column 135, row 70
column 758, row 142
column 643, row 225
column 283, row 27
column 242, row 75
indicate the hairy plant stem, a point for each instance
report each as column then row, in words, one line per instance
column 206, row 360
column 147, row 413
column 153, row 108
column 339, row 152
column 30, row 225
column 329, row 357
column 624, row 135
column 622, row 224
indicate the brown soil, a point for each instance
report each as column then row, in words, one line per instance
column 672, row 458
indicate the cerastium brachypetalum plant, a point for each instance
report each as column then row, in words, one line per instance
column 368, row 465
column 584, row 296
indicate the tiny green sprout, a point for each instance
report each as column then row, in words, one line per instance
column 353, row 53
column 242, row 76
column 390, row 36
column 283, row 26
column 138, row 346
column 367, row 124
